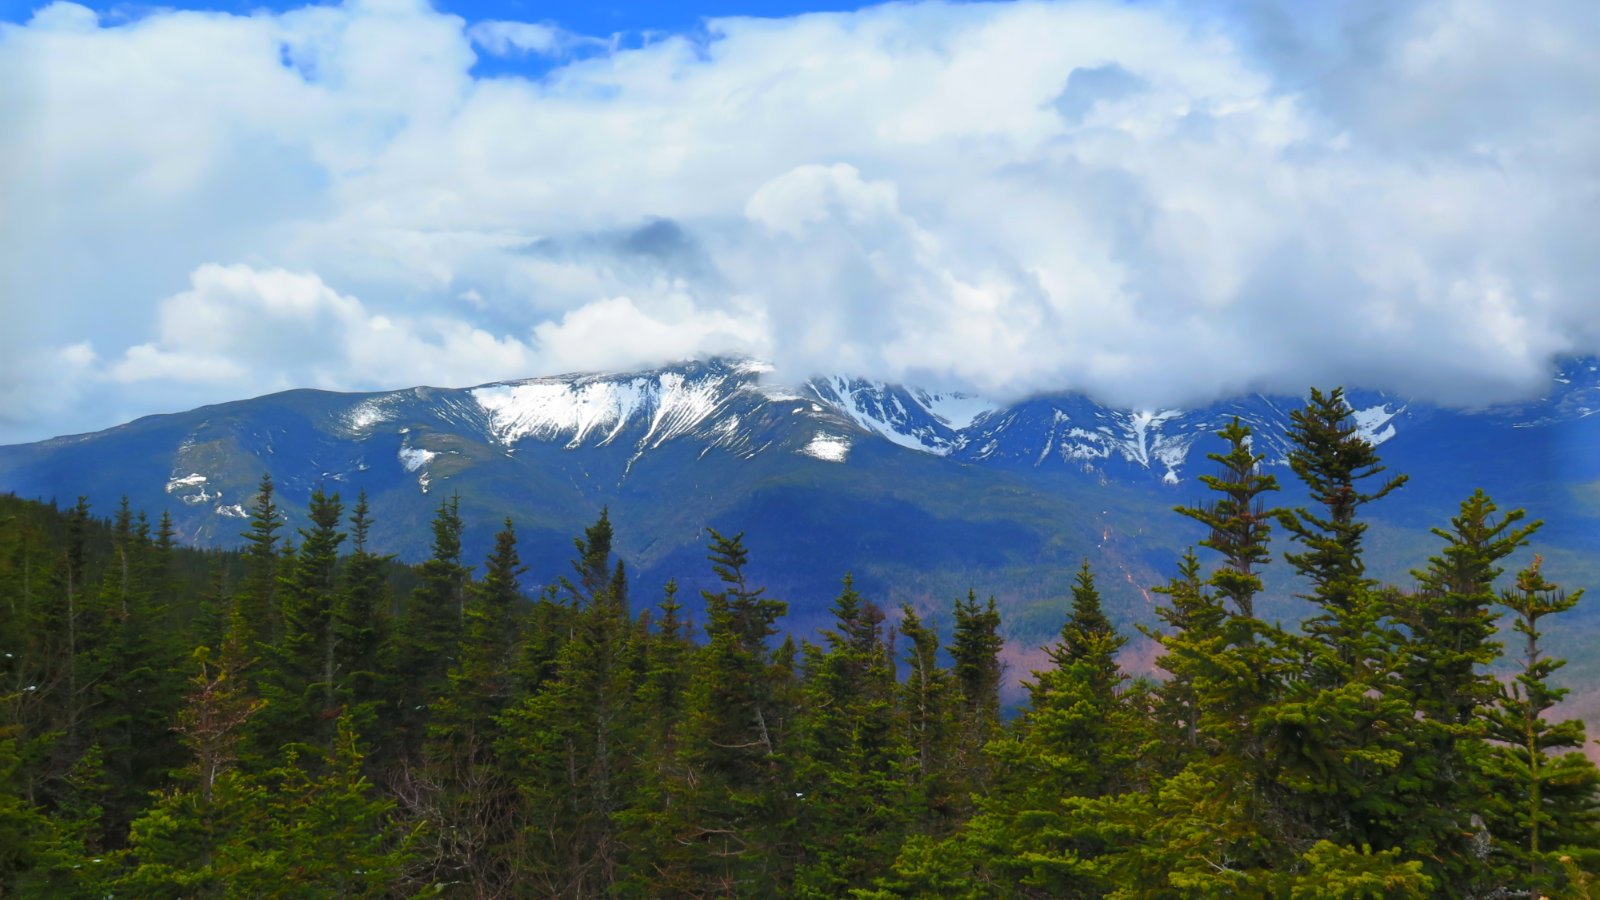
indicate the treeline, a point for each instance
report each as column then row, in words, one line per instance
column 307, row 718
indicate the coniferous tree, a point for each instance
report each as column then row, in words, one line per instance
column 571, row 745
column 850, row 761
column 473, row 803
column 300, row 685
column 1194, row 618
column 256, row 611
column 1332, row 459
column 730, row 806
column 1341, row 730
column 1077, row 739
column 926, row 703
column 429, row 633
column 360, row 618
column 1449, row 640
column 976, row 670
column 1543, row 801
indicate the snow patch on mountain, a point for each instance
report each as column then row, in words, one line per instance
column 681, row 405
column 546, row 409
column 830, row 447
column 930, row 424
column 414, row 458
column 672, row 403
column 1373, row 423
column 364, row 415
column 959, row 411
column 192, row 480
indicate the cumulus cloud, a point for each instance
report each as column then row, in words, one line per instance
column 1154, row 203
column 239, row 327
column 501, row 38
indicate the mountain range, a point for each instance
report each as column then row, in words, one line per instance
column 920, row 494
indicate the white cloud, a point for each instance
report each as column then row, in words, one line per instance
column 1131, row 199
column 242, row 329
column 615, row 333
column 501, row 38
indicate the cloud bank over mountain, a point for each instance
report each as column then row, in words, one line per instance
column 1154, row 203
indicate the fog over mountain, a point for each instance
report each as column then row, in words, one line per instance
column 1156, row 204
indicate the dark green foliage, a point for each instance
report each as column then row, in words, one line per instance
column 975, row 657
column 429, row 634
column 255, row 613
column 301, row 687
column 849, row 756
column 566, row 746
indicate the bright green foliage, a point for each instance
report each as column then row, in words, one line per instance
column 1240, row 679
column 1543, row 802
column 1194, row 618
column 1450, row 640
column 929, row 870
column 284, row 833
column 1238, row 520
column 1078, row 739
column 1332, row 459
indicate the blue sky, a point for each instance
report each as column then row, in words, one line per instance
column 1158, row 203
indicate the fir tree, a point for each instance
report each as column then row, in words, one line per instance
column 360, row 623
column 925, row 700
column 255, row 605
column 974, row 649
column 850, row 761
column 730, row 804
column 301, row 685
column 429, row 634
column 1448, row 643
column 1544, row 801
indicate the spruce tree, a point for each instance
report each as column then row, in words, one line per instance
column 300, row 685
column 255, row 605
column 429, row 633
column 360, row 618
column 730, row 805
column 1333, row 460
column 1543, row 801
column 850, row 761
column 926, row 709
column 975, row 646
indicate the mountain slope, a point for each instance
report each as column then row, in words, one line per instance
column 921, row 494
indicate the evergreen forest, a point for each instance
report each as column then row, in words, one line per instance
column 306, row 717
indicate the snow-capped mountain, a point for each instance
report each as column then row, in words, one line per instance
column 866, row 475
column 731, row 405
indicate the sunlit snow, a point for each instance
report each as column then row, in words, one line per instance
column 414, row 458
column 1373, row 423
column 827, row 446
column 194, row 480
column 365, row 414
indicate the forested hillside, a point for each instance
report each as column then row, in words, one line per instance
column 308, row 718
